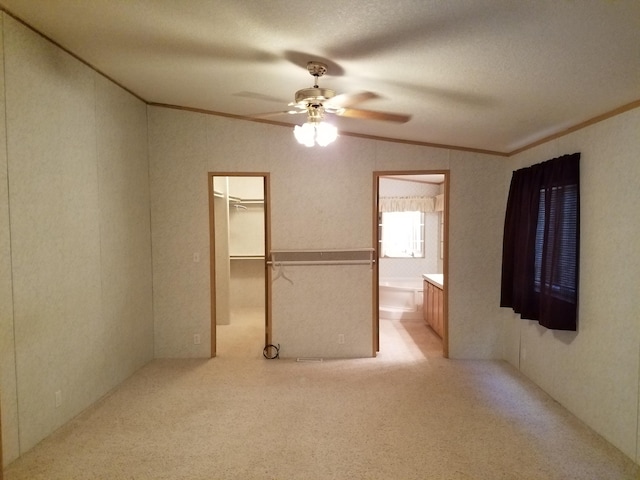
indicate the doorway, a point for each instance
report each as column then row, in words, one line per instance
column 239, row 241
column 411, row 218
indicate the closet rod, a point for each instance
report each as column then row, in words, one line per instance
column 319, row 262
column 354, row 256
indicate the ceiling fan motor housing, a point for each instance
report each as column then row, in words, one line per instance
column 314, row 95
column 317, row 69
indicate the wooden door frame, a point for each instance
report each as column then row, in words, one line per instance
column 445, row 253
column 267, row 249
column 1, row 458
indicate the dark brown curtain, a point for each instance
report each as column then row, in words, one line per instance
column 541, row 243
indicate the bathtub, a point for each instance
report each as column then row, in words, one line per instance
column 400, row 298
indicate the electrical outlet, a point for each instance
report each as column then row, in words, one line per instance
column 58, row 398
column 196, row 339
column 341, row 338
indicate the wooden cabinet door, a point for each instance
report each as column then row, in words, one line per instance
column 433, row 307
column 437, row 308
column 440, row 312
column 430, row 301
column 425, row 301
column 436, row 298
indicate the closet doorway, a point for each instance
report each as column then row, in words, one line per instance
column 411, row 218
column 239, row 241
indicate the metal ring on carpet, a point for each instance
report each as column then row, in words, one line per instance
column 271, row 351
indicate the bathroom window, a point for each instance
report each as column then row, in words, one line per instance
column 401, row 234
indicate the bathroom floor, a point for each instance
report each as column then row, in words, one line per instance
column 408, row 340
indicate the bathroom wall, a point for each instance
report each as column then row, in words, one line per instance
column 75, row 296
column 413, row 267
column 594, row 371
column 320, row 198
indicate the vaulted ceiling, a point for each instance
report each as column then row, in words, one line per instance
column 493, row 75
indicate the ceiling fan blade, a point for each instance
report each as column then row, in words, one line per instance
column 258, row 96
column 345, row 100
column 275, row 114
column 373, row 115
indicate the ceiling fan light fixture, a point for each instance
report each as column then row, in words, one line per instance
column 315, row 133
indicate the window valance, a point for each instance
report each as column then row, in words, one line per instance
column 410, row 204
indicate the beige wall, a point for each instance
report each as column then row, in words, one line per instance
column 594, row 372
column 75, row 238
column 8, row 399
column 320, row 198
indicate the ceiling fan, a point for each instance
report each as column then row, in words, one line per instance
column 316, row 101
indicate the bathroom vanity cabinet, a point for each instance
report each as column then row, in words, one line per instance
column 433, row 303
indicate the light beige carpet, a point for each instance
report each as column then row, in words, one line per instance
column 408, row 414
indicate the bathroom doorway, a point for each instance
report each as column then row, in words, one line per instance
column 239, row 237
column 411, row 218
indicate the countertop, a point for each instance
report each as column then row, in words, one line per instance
column 436, row 278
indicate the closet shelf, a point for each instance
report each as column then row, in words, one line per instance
column 239, row 200
column 246, row 201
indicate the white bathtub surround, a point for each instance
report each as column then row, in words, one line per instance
column 400, row 298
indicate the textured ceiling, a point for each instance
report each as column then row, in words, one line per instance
column 493, row 75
